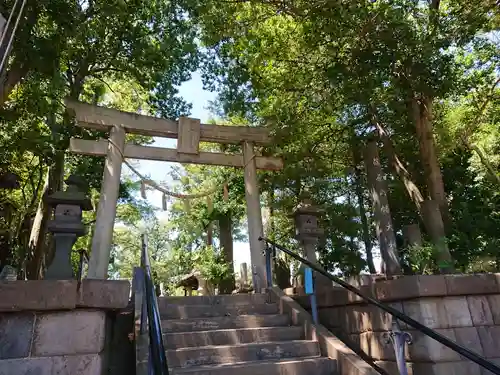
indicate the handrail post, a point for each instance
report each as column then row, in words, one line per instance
column 399, row 339
column 269, row 275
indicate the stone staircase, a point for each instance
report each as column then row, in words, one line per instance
column 236, row 334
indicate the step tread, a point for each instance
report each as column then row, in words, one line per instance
column 248, row 345
column 230, row 336
column 252, row 364
column 235, row 299
column 225, row 322
column 200, row 356
column 232, row 330
column 178, row 311
column 231, row 305
column 239, row 317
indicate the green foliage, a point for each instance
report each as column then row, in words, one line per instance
column 127, row 55
column 211, row 265
column 421, row 259
column 317, row 73
column 474, row 206
column 126, row 252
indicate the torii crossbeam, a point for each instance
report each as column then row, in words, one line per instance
column 189, row 133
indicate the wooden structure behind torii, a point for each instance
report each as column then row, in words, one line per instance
column 189, row 133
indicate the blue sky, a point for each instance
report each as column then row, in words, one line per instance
column 192, row 91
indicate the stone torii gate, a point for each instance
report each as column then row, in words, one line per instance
column 189, row 133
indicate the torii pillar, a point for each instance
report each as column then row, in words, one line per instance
column 254, row 218
column 106, row 210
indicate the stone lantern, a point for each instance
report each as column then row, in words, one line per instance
column 67, row 225
column 308, row 232
column 307, row 229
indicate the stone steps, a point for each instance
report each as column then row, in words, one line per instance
column 225, row 322
column 232, row 336
column 236, row 334
column 224, row 354
column 300, row 366
column 176, row 311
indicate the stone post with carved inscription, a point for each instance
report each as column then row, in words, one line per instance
column 382, row 213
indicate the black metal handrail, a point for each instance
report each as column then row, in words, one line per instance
column 481, row 361
column 157, row 354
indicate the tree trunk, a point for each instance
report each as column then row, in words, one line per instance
column 226, row 241
column 210, row 231
column 435, row 228
column 364, row 222
column 38, row 233
column 422, row 116
column 358, row 183
column 269, row 230
column 398, row 167
column 210, row 226
column 412, row 235
column 382, row 212
column 36, row 242
column 270, row 205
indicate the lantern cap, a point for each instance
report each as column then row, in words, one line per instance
column 72, row 196
column 307, row 207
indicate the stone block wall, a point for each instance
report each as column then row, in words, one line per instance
column 57, row 327
column 464, row 308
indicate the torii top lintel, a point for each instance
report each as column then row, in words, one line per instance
column 100, row 118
